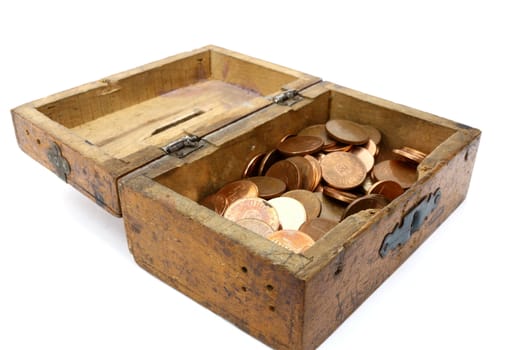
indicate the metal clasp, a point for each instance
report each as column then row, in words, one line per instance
column 411, row 222
column 184, row 146
column 287, row 98
column 62, row 168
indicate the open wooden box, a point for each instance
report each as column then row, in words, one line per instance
column 150, row 142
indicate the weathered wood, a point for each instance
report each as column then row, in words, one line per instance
column 344, row 267
column 112, row 126
column 109, row 133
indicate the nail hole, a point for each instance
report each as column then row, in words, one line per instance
column 244, row 269
column 38, row 141
column 244, row 289
column 269, row 287
column 338, row 270
column 272, row 308
column 27, row 132
column 466, row 156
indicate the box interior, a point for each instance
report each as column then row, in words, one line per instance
column 160, row 103
column 198, row 178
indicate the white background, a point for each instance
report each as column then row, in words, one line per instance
column 67, row 280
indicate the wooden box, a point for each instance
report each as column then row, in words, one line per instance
column 149, row 143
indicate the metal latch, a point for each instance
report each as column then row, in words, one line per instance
column 287, row 98
column 184, row 146
column 411, row 222
column 62, row 168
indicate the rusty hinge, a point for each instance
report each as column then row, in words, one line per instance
column 287, row 98
column 184, row 146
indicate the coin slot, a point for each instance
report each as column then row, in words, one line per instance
column 177, row 122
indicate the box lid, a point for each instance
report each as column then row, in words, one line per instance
column 108, row 128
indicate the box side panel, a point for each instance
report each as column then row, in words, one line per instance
column 180, row 242
column 79, row 165
column 353, row 272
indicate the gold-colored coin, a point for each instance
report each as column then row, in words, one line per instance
column 370, row 201
column 342, row 170
column 317, row 227
column 318, row 130
column 288, row 172
column 339, row 195
column 255, row 225
column 296, row 241
column 253, row 208
column 390, row 189
column 252, row 168
column 347, row 132
column 364, row 156
column 373, row 133
column 394, row 170
column 238, row 189
column 300, row 145
column 269, row 187
column 310, row 202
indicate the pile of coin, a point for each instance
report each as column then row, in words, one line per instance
column 296, row 193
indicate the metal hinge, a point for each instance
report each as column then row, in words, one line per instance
column 287, row 98
column 184, row 146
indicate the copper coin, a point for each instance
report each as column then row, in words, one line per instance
column 288, row 172
column 318, row 130
column 390, row 189
column 409, row 154
column 306, row 170
column 269, row 187
column 317, row 227
column 316, row 167
column 268, row 160
column 310, row 202
column 252, row 168
column 253, row 208
column 215, row 202
column 286, row 137
column 370, row 201
column 371, row 147
column 238, row 189
column 257, row 226
column 330, row 208
column 397, row 171
column 364, row 156
column 293, row 240
column 373, row 133
column 342, row 170
column 346, row 131
column 339, row 195
column 300, row 145
column 291, row 212
column 338, row 147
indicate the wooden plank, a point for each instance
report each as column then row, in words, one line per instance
column 215, row 262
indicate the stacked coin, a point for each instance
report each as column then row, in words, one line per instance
column 296, row 193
